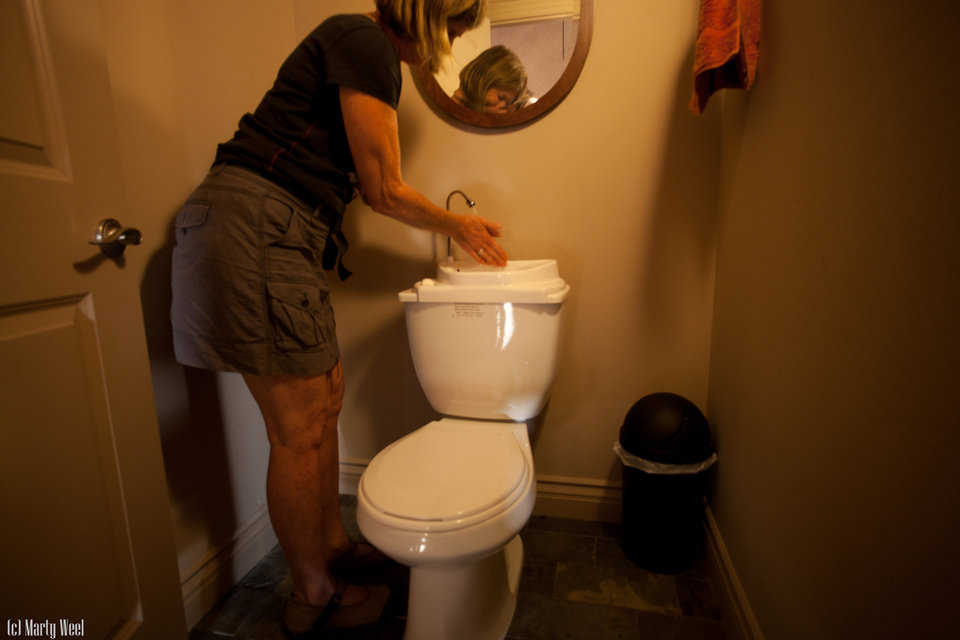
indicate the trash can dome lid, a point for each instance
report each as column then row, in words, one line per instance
column 666, row 428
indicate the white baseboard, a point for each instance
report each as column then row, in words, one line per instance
column 350, row 471
column 557, row 496
column 741, row 621
column 222, row 568
column 578, row 498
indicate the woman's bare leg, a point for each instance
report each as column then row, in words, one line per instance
column 303, row 475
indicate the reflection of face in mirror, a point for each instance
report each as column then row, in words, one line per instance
column 550, row 40
column 541, row 34
column 493, row 82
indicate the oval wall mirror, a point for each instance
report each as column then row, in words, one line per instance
column 544, row 40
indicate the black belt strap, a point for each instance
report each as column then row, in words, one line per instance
column 335, row 248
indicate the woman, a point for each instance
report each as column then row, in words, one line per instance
column 249, row 292
column 493, row 82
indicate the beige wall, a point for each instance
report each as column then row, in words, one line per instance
column 618, row 184
column 835, row 338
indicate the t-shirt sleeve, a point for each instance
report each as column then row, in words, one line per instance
column 364, row 59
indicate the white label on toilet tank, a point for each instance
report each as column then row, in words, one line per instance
column 467, row 310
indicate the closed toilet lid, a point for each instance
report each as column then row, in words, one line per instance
column 445, row 470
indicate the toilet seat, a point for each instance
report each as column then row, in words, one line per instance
column 447, row 475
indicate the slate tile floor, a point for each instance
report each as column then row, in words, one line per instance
column 576, row 584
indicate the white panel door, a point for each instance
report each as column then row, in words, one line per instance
column 86, row 539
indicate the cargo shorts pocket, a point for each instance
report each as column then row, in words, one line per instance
column 191, row 215
column 299, row 314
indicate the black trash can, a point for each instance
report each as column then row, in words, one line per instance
column 665, row 447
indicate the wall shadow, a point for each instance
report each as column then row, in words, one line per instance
column 382, row 385
column 682, row 248
column 190, row 416
column 376, row 270
column 684, row 216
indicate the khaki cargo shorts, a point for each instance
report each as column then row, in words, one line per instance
column 249, row 291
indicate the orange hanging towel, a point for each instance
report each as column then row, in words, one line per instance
column 728, row 47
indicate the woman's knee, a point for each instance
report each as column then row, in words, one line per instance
column 300, row 412
column 335, row 387
column 302, row 432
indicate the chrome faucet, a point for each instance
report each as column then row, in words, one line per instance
column 471, row 204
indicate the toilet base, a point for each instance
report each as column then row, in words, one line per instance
column 473, row 601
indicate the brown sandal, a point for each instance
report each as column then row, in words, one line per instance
column 302, row 621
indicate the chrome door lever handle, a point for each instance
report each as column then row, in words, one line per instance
column 129, row 236
column 112, row 238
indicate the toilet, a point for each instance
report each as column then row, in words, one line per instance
column 449, row 499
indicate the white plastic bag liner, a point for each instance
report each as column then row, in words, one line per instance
column 661, row 468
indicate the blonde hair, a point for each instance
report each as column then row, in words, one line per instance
column 426, row 23
column 495, row 68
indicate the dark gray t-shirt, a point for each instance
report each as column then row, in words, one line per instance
column 296, row 137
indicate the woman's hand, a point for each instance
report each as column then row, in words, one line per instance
column 476, row 236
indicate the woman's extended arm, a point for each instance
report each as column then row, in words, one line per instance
column 371, row 127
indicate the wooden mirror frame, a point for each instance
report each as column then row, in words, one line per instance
column 440, row 102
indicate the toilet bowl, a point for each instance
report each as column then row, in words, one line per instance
column 449, row 499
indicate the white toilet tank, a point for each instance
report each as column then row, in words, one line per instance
column 484, row 339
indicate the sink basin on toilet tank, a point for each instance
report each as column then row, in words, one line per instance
column 484, row 340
